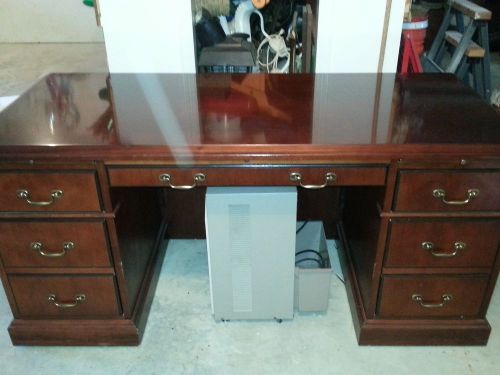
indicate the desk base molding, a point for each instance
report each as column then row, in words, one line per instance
column 390, row 332
column 74, row 332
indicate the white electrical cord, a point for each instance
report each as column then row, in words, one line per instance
column 275, row 43
column 261, row 23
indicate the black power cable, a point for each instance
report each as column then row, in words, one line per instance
column 320, row 261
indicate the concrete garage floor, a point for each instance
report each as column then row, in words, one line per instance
column 182, row 337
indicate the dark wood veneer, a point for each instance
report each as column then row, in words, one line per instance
column 269, row 120
column 79, row 191
column 389, row 139
column 480, row 237
column 31, row 294
column 80, row 332
column 397, row 291
column 415, row 190
column 138, row 223
column 245, row 175
column 89, row 239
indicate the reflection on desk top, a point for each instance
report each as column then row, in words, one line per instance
column 112, row 112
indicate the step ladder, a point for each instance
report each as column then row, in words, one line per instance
column 467, row 43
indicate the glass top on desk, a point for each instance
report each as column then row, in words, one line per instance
column 254, row 109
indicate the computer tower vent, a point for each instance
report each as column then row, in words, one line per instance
column 240, row 237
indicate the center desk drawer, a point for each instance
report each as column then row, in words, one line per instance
column 65, row 296
column 53, row 244
column 431, row 296
column 49, row 191
column 448, row 191
column 438, row 243
column 186, row 178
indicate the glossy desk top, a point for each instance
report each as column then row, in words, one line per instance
column 147, row 115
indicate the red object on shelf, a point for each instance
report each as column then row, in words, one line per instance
column 410, row 58
column 415, row 30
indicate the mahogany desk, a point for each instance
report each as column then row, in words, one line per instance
column 404, row 170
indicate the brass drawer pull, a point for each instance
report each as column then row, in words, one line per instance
column 457, row 246
column 66, row 305
column 444, row 298
column 441, row 194
column 329, row 177
column 25, row 195
column 198, row 178
column 38, row 246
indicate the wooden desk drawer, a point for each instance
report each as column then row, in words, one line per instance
column 77, row 296
column 443, row 244
column 248, row 176
column 53, row 244
column 49, row 191
column 447, row 191
column 431, row 296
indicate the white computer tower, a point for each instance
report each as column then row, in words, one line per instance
column 251, row 251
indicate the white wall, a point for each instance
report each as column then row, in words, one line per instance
column 350, row 35
column 47, row 21
column 148, row 36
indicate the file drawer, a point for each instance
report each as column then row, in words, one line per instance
column 65, row 296
column 53, row 244
column 423, row 297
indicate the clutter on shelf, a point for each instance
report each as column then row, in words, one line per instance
column 414, row 30
column 244, row 36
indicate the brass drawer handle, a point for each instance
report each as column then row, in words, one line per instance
column 198, row 178
column 38, row 246
column 444, row 298
column 457, row 246
column 25, row 195
column 66, row 305
column 441, row 194
column 329, row 177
